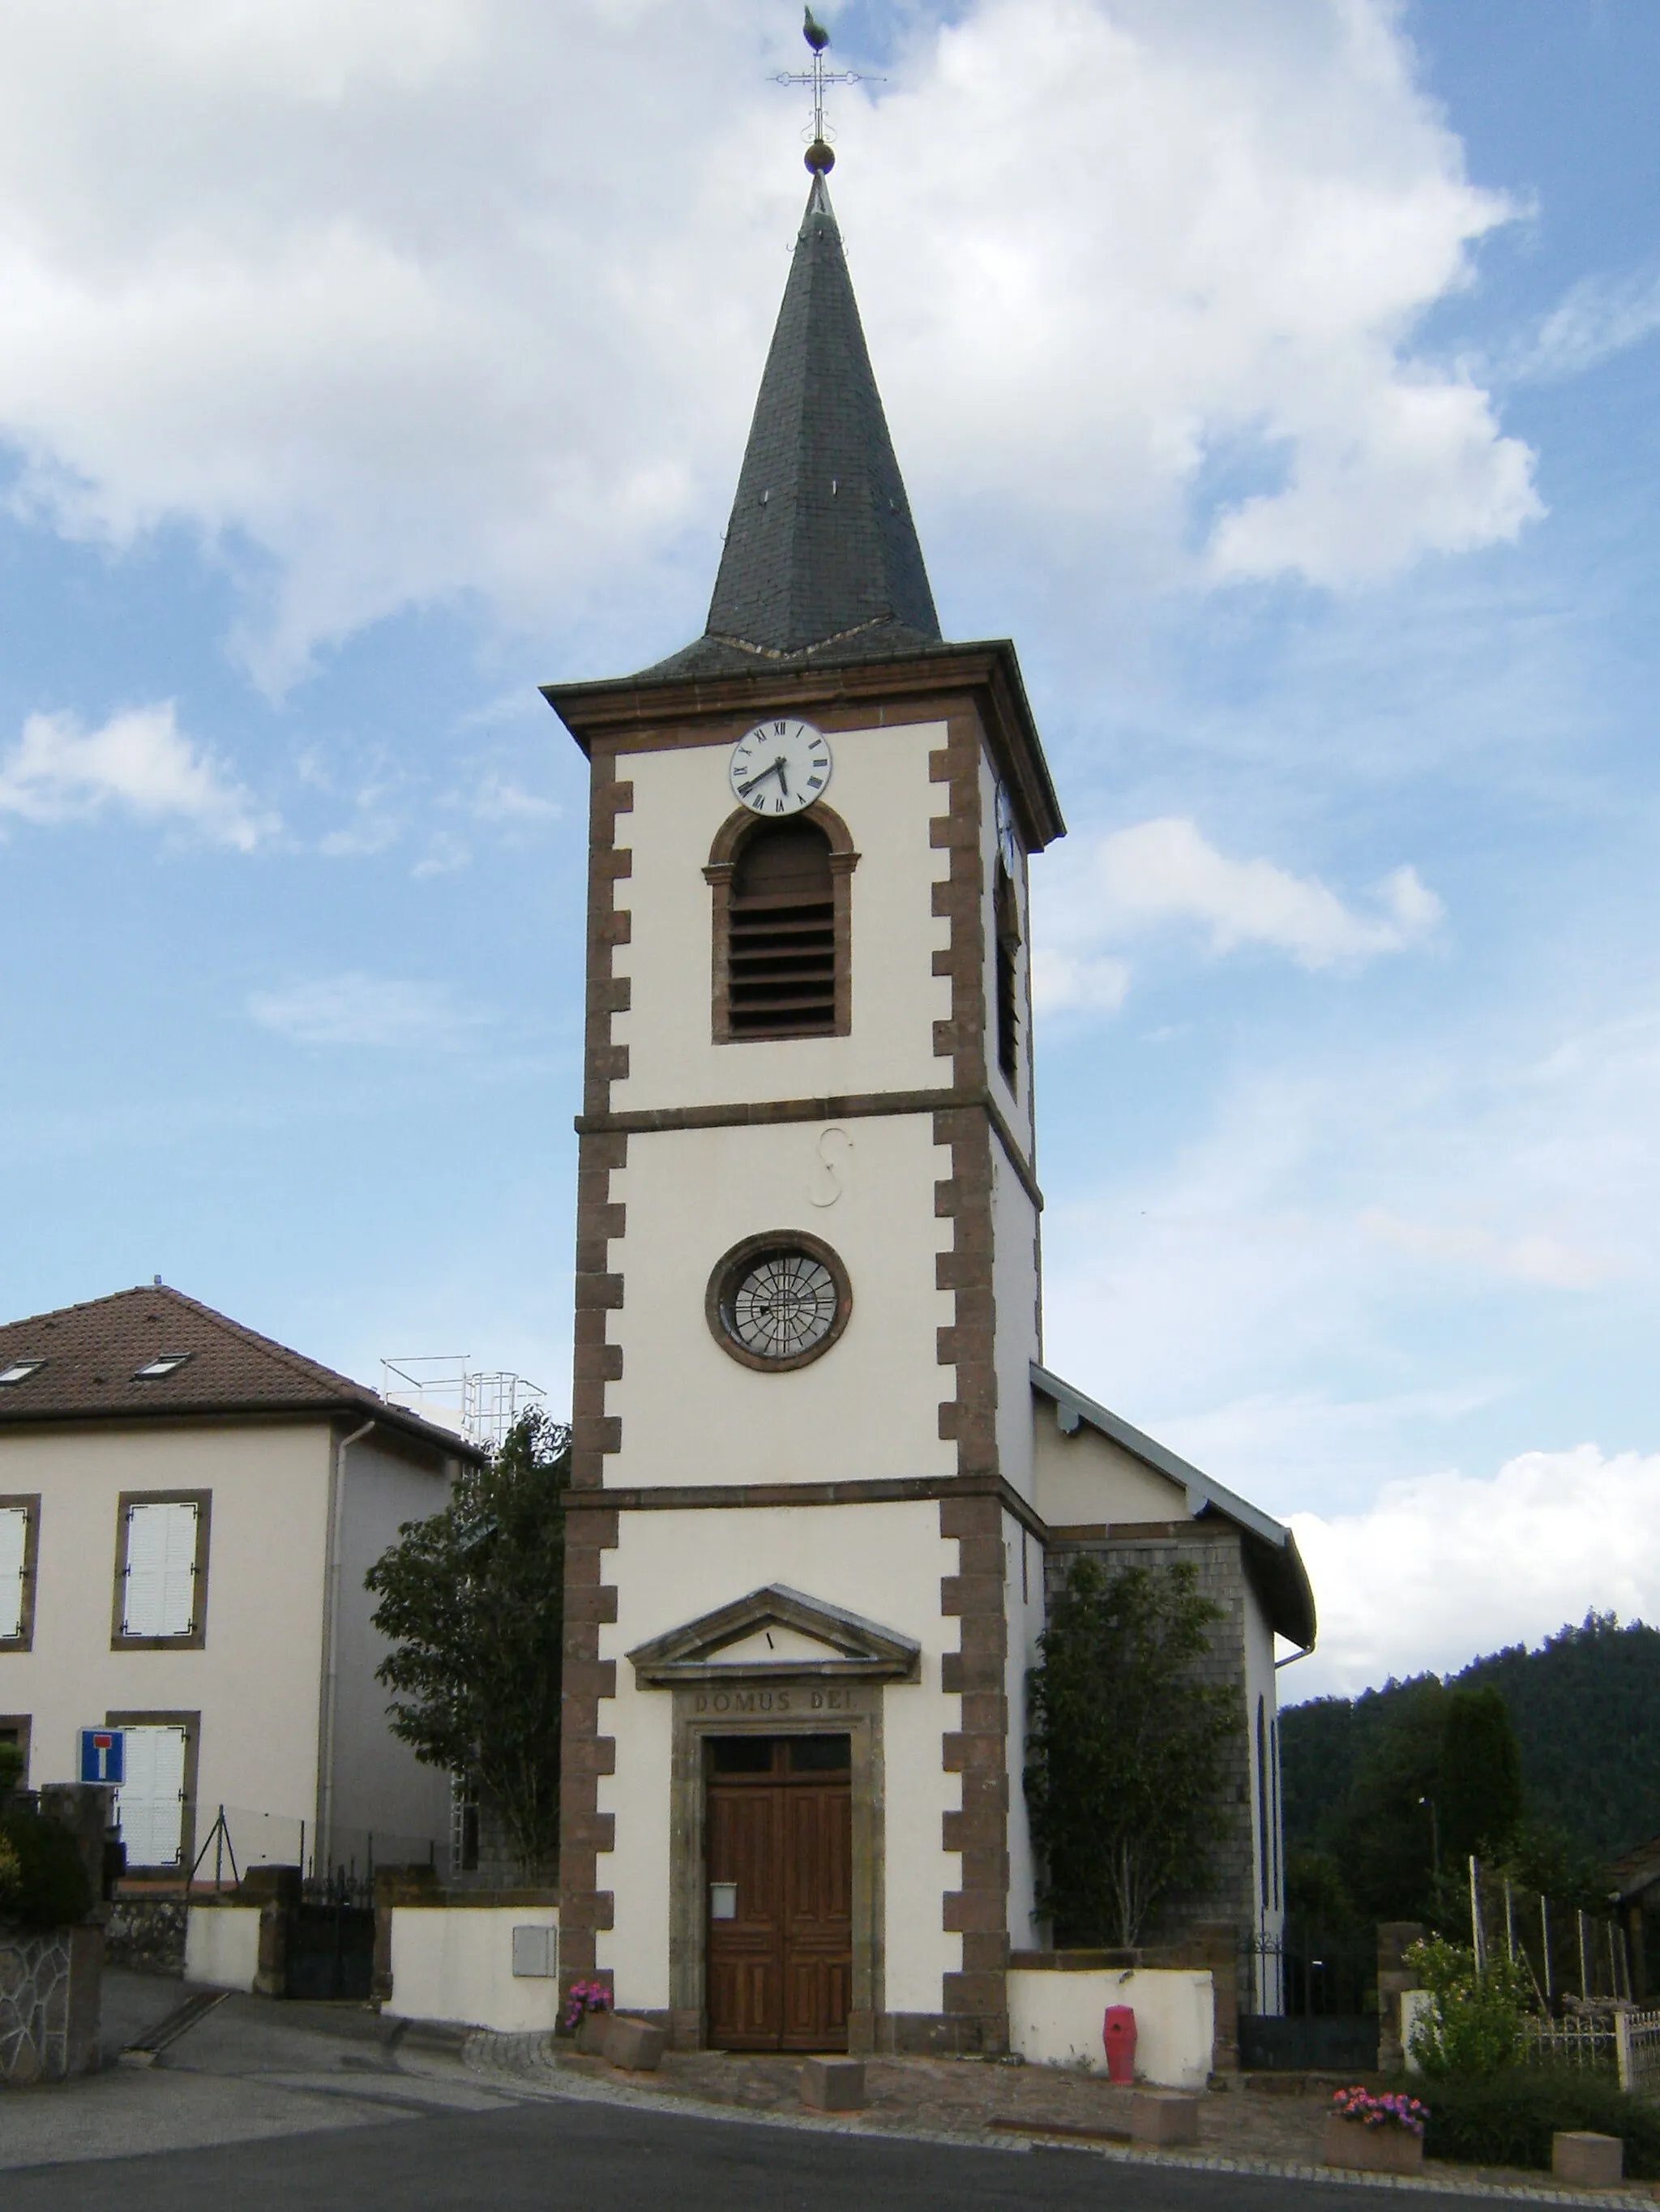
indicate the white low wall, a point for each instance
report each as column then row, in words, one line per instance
column 1055, row 2019
column 455, row 1963
column 222, row 1945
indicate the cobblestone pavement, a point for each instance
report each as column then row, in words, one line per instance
column 1270, row 2127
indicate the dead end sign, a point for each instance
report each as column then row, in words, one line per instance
column 103, row 1755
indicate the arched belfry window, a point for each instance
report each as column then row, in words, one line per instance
column 783, row 927
column 1006, row 914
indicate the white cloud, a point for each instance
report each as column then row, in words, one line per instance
column 355, row 1009
column 1436, row 1230
column 139, row 760
column 1066, row 982
column 425, row 298
column 1447, row 1566
column 1166, row 873
column 1533, row 1257
column 1600, row 316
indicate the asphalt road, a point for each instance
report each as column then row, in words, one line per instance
column 580, row 2157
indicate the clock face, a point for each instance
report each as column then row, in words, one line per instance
column 782, row 1305
column 778, row 1301
column 779, row 767
column 1008, row 840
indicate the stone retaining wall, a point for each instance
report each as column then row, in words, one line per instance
column 147, row 1934
column 49, row 2004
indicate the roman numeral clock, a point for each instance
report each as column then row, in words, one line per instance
column 779, row 767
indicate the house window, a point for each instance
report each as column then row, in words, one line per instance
column 162, row 1570
column 782, row 927
column 20, row 1522
column 1006, row 914
column 15, row 1737
column 154, row 1806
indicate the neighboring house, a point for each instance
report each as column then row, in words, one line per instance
column 187, row 1512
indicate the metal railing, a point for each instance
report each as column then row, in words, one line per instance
column 1617, row 2041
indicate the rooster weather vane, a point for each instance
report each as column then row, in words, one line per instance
column 820, row 156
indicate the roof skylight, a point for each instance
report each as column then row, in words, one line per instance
column 165, row 1363
column 19, row 1371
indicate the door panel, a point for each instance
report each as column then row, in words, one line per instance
column 779, row 1973
column 744, row 1955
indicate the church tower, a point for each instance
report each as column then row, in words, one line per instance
column 801, row 1583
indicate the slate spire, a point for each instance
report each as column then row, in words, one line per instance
column 821, row 559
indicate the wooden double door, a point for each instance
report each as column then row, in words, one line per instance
column 778, row 1834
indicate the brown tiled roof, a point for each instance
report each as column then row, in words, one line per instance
column 91, row 1354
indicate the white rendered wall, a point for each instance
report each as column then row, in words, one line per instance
column 221, row 1946
column 870, row 1406
column 880, row 788
column 1025, row 1586
column 1014, row 1291
column 885, row 1562
column 255, row 1684
column 1056, row 2020
column 455, row 1964
column 378, row 1784
column 1261, row 1681
column 1085, row 1479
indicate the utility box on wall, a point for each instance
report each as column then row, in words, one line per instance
column 535, row 1952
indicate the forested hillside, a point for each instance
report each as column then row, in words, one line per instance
column 1376, row 1784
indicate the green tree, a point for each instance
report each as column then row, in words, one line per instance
column 1125, row 1753
column 472, row 1601
column 1473, row 2023
column 1390, row 1823
column 1480, row 1790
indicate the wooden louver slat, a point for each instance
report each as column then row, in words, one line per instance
column 780, row 946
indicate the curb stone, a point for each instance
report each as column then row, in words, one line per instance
column 530, row 2064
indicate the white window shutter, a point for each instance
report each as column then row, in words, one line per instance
column 160, row 1592
column 14, row 1550
column 150, row 1804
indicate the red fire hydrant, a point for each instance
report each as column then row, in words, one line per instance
column 1118, row 2034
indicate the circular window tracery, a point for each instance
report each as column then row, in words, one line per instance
column 779, row 1301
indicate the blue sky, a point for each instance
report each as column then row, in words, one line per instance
column 1281, row 378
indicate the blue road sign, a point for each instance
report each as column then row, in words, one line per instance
column 103, row 1755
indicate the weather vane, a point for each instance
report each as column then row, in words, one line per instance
column 819, row 157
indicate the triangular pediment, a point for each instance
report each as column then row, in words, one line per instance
column 772, row 1633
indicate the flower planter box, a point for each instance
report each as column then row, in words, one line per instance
column 1370, row 2150
column 590, row 2033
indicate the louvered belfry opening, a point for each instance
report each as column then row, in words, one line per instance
column 780, row 940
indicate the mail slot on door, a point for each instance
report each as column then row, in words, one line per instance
column 723, row 1900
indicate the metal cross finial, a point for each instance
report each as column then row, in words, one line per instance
column 819, row 157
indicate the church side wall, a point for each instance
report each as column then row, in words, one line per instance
column 1086, row 1481
column 880, row 787
column 1266, row 1874
column 1213, row 1547
column 1026, row 1615
column 868, row 1408
column 884, row 1561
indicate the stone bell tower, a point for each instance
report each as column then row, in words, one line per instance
column 800, row 1596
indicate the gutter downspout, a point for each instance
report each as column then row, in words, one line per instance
column 324, row 1846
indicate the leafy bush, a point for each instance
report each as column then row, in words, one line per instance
column 1508, row 2118
column 1474, row 2026
column 11, row 1767
column 50, row 1887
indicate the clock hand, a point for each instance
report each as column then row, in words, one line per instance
column 777, row 769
